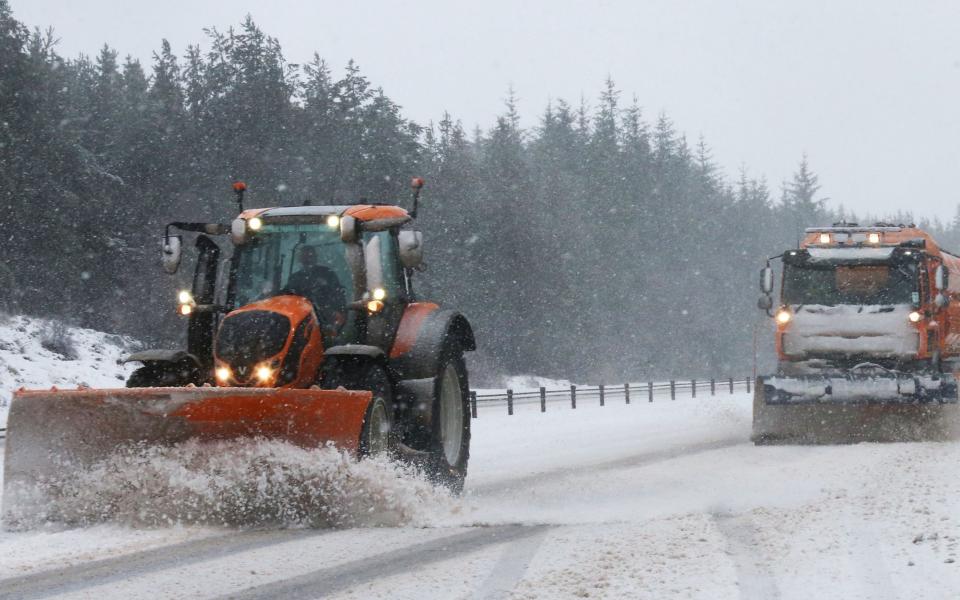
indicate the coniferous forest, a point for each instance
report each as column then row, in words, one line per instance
column 599, row 243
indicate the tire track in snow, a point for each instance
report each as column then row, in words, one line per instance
column 328, row 581
column 88, row 574
column 754, row 580
column 638, row 460
column 510, row 569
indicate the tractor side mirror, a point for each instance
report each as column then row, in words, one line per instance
column 765, row 302
column 942, row 278
column 238, row 231
column 171, row 253
column 411, row 248
column 941, row 300
column 766, row 280
column 348, row 229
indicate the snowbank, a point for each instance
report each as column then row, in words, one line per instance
column 39, row 353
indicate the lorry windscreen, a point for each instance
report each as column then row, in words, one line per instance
column 832, row 284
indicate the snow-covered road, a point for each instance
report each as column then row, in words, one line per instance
column 642, row 501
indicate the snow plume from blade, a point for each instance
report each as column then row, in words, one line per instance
column 232, row 483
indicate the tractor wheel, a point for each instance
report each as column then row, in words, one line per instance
column 377, row 434
column 450, row 432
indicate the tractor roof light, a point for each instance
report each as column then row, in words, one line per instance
column 915, row 316
column 333, row 221
column 783, row 316
column 254, row 223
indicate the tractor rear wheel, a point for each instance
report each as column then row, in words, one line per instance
column 450, row 432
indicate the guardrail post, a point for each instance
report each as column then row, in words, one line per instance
column 673, row 390
column 748, row 385
column 573, row 396
column 543, row 399
column 509, row 402
column 649, row 391
column 473, row 404
column 713, row 386
column 731, row 385
column 693, row 388
column 626, row 392
column 601, row 394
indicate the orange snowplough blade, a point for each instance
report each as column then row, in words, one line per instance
column 50, row 433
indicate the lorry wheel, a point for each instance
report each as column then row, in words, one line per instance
column 363, row 375
column 450, row 432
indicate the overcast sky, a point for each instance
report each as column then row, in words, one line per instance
column 869, row 90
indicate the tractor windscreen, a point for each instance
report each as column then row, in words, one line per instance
column 306, row 260
column 864, row 284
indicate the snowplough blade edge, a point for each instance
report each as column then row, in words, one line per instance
column 50, row 433
column 855, row 408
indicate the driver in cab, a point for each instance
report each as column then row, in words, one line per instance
column 319, row 285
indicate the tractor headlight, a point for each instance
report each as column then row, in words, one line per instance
column 185, row 297
column 379, row 294
column 224, row 374
column 264, row 373
column 783, row 316
column 374, row 306
column 333, row 221
column 255, row 223
column 186, row 310
column 914, row 316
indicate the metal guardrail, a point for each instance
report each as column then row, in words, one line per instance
column 625, row 392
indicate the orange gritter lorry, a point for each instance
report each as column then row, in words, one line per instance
column 867, row 332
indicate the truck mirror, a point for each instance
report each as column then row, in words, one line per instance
column 942, row 278
column 348, row 229
column 766, row 280
column 765, row 302
column 411, row 248
column 171, row 253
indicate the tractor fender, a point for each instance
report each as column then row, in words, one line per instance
column 435, row 334
column 355, row 350
column 156, row 357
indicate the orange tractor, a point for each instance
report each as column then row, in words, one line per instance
column 309, row 332
column 867, row 338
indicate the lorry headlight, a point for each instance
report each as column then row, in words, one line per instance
column 914, row 316
column 873, row 238
column 223, row 374
column 783, row 316
column 824, row 238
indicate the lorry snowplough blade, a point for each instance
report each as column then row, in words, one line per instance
column 854, row 408
column 50, row 433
